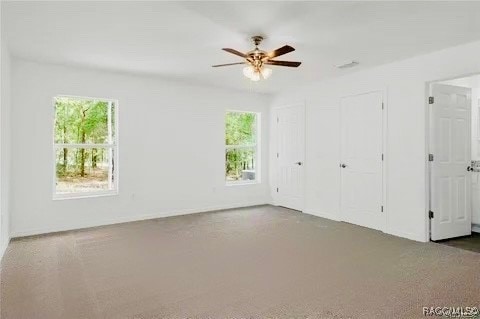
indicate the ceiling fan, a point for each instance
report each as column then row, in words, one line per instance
column 257, row 60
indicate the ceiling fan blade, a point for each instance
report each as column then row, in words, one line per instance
column 280, row 51
column 216, row 66
column 283, row 63
column 232, row 51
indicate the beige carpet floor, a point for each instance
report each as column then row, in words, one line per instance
column 259, row 262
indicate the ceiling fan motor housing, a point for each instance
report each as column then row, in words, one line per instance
column 257, row 39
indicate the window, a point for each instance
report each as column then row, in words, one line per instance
column 241, row 147
column 85, row 147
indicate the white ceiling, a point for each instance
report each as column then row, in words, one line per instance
column 183, row 39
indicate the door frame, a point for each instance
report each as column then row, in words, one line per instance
column 428, row 93
column 274, row 170
column 384, row 94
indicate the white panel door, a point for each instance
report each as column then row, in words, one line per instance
column 450, row 145
column 290, row 156
column 361, row 160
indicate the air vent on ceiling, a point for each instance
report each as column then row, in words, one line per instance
column 349, row 64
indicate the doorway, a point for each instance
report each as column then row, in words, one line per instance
column 454, row 158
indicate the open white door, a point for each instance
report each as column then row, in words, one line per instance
column 362, row 160
column 450, row 179
column 290, row 156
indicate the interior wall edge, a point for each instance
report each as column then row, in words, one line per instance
column 142, row 76
column 127, row 219
column 4, row 248
column 5, row 147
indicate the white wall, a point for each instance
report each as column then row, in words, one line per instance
column 171, row 143
column 404, row 84
column 5, row 150
column 4, row 144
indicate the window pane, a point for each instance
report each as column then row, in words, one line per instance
column 240, row 164
column 80, row 121
column 240, row 128
column 83, row 170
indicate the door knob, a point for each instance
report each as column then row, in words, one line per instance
column 469, row 168
column 343, row 165
column 299, row 163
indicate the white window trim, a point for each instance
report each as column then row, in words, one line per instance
column 256, row 146
column 112, row 145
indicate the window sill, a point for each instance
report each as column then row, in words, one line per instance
column 242, row 183
column 84, row 195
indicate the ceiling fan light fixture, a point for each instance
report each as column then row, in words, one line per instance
column 266, row 72
column 248, row 71
column 255, row 76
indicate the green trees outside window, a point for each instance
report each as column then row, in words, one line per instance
column 241, row 146
column 84, row 145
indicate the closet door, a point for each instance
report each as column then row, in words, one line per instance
column 290, row 129
column 361, row 160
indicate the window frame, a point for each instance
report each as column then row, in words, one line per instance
column 113, row 146
column 255, row 146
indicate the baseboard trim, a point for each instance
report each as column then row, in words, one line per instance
column 322, row 214
column 128, row 219
column 415, row 237
column 476, row 228
column 392, row 232
column 4, row 248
